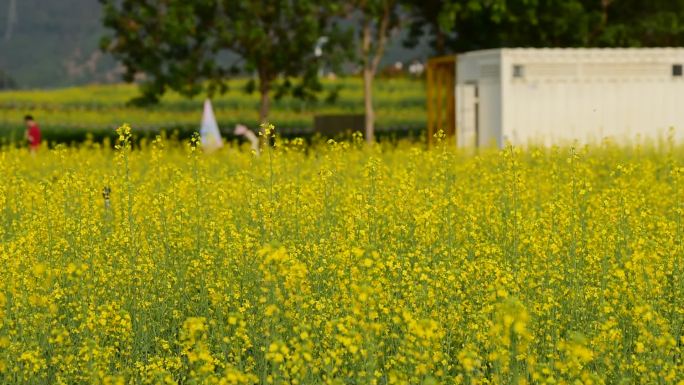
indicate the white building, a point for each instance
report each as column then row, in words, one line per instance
column 557, row 96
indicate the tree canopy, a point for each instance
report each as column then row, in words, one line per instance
column 194, row 46
column 463, row 25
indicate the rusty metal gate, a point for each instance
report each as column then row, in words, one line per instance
column 441, row 97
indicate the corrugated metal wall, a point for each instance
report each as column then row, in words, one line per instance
column 556, row 96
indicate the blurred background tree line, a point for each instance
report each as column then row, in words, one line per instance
column 56, row 43
column 194, row 46
column 178, row 44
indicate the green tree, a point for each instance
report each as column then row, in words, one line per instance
column 187, row 45
column 443, row 20
column 463, row 25
column 634, row 23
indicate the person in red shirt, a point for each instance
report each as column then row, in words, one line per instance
column 32, row 133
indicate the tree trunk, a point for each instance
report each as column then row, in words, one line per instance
column 440, row 43
column 602, row 23
column 368, row 102
column 371, row 60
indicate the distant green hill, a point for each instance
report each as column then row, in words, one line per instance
column 55, row 43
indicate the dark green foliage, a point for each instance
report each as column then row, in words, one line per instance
column 592, row 23
column 444, row 21
column 462, row 25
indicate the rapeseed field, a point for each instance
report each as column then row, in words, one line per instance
column 341, row 264
column 62, row 113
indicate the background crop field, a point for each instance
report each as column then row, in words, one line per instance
column 68, row 114
column 344, row 265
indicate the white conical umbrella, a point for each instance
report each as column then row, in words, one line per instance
column 209, row 132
